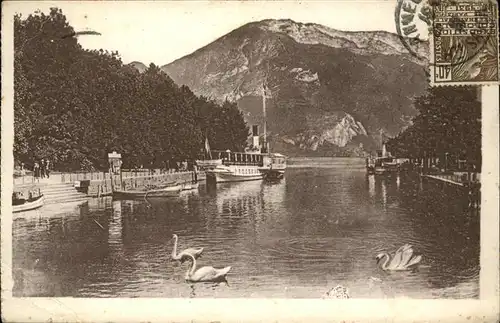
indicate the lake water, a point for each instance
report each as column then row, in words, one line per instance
column 320, row 226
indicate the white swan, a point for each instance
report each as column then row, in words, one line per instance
column 183, row 256
column 403, row 259
column 206, row 273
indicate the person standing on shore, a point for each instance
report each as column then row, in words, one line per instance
column 42, row 168
column 47, row 168
column 36, row 170
column 195, row 172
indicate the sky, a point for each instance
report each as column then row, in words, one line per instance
column 162, row 31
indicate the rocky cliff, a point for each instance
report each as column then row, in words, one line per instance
column 330, row 90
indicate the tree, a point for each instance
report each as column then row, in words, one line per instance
column 73, row 105
column 449, row 122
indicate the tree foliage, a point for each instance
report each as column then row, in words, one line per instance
column 449, row 121
column 73, row 105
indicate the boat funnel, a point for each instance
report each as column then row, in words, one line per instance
column 255, row 136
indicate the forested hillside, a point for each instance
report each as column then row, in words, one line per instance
column 74, row 105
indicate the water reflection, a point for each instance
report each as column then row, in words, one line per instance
column 51, row 211
column 327, row 221
column 384, row 193
column 115, row 227
column 371, row 185
column 239, row 199
column 98, row 204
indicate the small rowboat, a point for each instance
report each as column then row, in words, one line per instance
column 170, row 191
column 274, row 174
column 30, row 204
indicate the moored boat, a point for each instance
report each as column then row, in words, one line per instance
column 170, row 191
column 238, row 167
column 234, row 173
column 277, row 167
column 256, row 163
column 275, row 175
column 21, row 205
column 385, row 166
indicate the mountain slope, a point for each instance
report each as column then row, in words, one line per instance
column 331, row 90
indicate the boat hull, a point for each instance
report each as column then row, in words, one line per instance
column 172, row 191
column 38, row 203
column 226, row 177
column 386, row 170
column 240, row 167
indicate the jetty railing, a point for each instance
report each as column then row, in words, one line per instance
column 71, row 177
column 458, row 178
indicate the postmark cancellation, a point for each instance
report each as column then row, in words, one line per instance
column 464, row 43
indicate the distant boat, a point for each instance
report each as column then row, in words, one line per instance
column 169, row 191
column 29, row 204
column 386, row 165
column 382, row 165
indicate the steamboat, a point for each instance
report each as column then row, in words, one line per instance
column 247, row 166
column 256, row 163
column 384, row 164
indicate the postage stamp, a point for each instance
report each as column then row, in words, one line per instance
column 457, row 39
column 464, row 43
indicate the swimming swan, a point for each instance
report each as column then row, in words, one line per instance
column 182, row 256
column 403, row 259
column 205, row 274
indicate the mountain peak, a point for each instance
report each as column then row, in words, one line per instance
column 328, row 87
column 362, row 42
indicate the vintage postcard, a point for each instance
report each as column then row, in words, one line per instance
column 250, row 161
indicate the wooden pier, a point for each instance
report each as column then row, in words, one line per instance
column 463, row 179
column 61, row 187
column 450, row 179
column 469, row 182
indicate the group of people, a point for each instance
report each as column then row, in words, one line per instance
column 42, row 169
